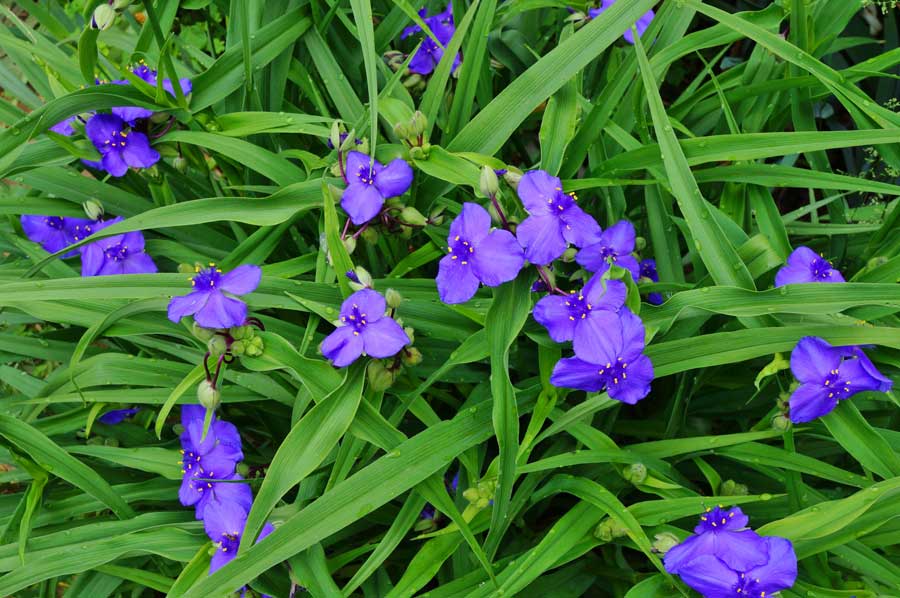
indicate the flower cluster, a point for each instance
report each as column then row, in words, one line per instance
column 430, row 53
column 121, row 136
column 827, row 375
column 364, row 328
column 805, row 265
column 220, row 496
column 117, row 254
column 725, row 559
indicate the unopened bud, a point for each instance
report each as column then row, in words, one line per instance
column 380, row 378
column 609, row 529
column 569, row 255
column 401, row 130
column 393, row 298
column 665, row 541
column 362, row 145
column 186, row 269
column 418, row 124
column 370, row 235
column 103, row 18
column 640, row 243
column 335, row 135
column 254, row 347
column 636, row 473
column 217, row 345
column 512, row 178
column 364, row 277
column 349, row 142
column 410, row 215
column 489, row 183
column 876, row 261
column 242, row 332
column 180, row 164
column 412, row 81
column 410, row 333
column 394, row 59
column 208, row 395
column 781, row 423
column 93, row 209
column 203, row 334
column 411, row 357
column 349, row 244
column 732, row 488
column 120, row 4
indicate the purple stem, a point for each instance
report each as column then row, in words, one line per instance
column 500, row 213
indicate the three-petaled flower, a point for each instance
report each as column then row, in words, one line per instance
column 364, row 328
column 119, row 146
column 57, row 232
column 209, row 303
column 224, row 523
column 805, row 265
column 554, row 219
column 370, row 184
column 118, row 254
column 430, row 53
column 476, row 255
column 615, row 245
column 577, row 316
column 827, row 375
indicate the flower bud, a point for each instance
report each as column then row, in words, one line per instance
column 202, row 334
column 217, row 345
column 380, row 378
column 489, row 183
column 393, row 298
column 370, row 235
column 120, row 4
column 114, row 442
column 180, row 164
column 363, row 276
column 93, row 209
column 412, row 216
column 411, row 357
column 349, row 142
column 254, row 347
column 636, row 473
column 512, row 179
column 362, row 145
column 640, row 243
column 732, row 488
column 394, row 59
column 781, row 423
column 237, row 348
column 103, row 18
column 569, row 255
column 242, row 332
column 417, row 153
column 609, row 529
column 349, row 244
column 401, row 130
column 412, row 81
column 335, row 136
column 663, row 542
column 208, row 395
column 418, row 124
column 409, row 332
column 242, row 468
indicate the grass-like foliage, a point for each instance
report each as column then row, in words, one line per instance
column 391, row 298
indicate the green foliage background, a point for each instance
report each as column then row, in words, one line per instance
column 725, row 142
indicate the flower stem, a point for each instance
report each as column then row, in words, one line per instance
column 500, row 213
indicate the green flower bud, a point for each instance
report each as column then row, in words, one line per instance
column 394, row 59
column 636, row 473
column 370, row 235
column 409, row 332
column 120, row 4
column 349, row 244
column 254, row 347
column 410, row 215
column 411, row 357
column 393, row 298
column 512, row 178
column 202, row 334
column 103, row 18
column 424, row 525
column 335, row 135
column 412, row 81
column 489, row 184
column 111, row 442
column 781, row 423
column 417, row 153
column 640, row 243
column 569, row 254
column 364, row 146
column 609, row 529
column 349, row 142
column 732, row 488
column 663, row 542
column 242, row 468
column 242, row 332
column 208, row 395
column 217, row 345
column 364, row 277
column 418, row 124
column 380, row 378
column 93, row 209
column 401, row 130
column 180, row 164
column 237, row 348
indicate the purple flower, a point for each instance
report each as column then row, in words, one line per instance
column 613, row 358
column 64, row 127
column 648, row 271
column 430, row 53
column 56, row 232
column 574, row 317
column 209, row 304
column 117, row 416
column 119, row 148
column 615, row 244
column 641, row 24
column 554, row 219
column 118, row 254
column 477, row 255
column 364, row 328
column 368, row 186
column 224, row 524
column 805, row 265
column 827, row 375
column 723, row 534
column 714, row 578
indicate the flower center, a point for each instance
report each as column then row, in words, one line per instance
column 561, row 201
column 190, row 463
column 578, row 306
column 837, row 388
column 117, row 252
column 716, row 519
column 54, row 222
column 821, row 269
column 356, row 318
column 117, row 139
column 201, row 485
column 207, row 279
column 229, row 542
column 82, row 232
column 614, row 373
column 749, row 588
column 461, row 250
column 366, row 175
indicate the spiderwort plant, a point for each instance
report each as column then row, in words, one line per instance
column 554, row 219
column 827, row 375
column 370, row 184
column 477, row 255
column 364, row 328
column 805, row 265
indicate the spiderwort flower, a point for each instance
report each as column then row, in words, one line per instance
column 64, row 127
column 117, row 416
column 827, row 375
column 615, row 244
column 430, row 53
column 56, row 232
column 209, row 304
column 805, row 265
column 118, row 254
column 554, row 219
column 364, row 328
column 477, row 255
column 641, row 24
column 723, row 534
column 224, row 524
column 574, row 316
column 613, row 358
column 648, row 272
column 119, row 148
column 368, row 186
